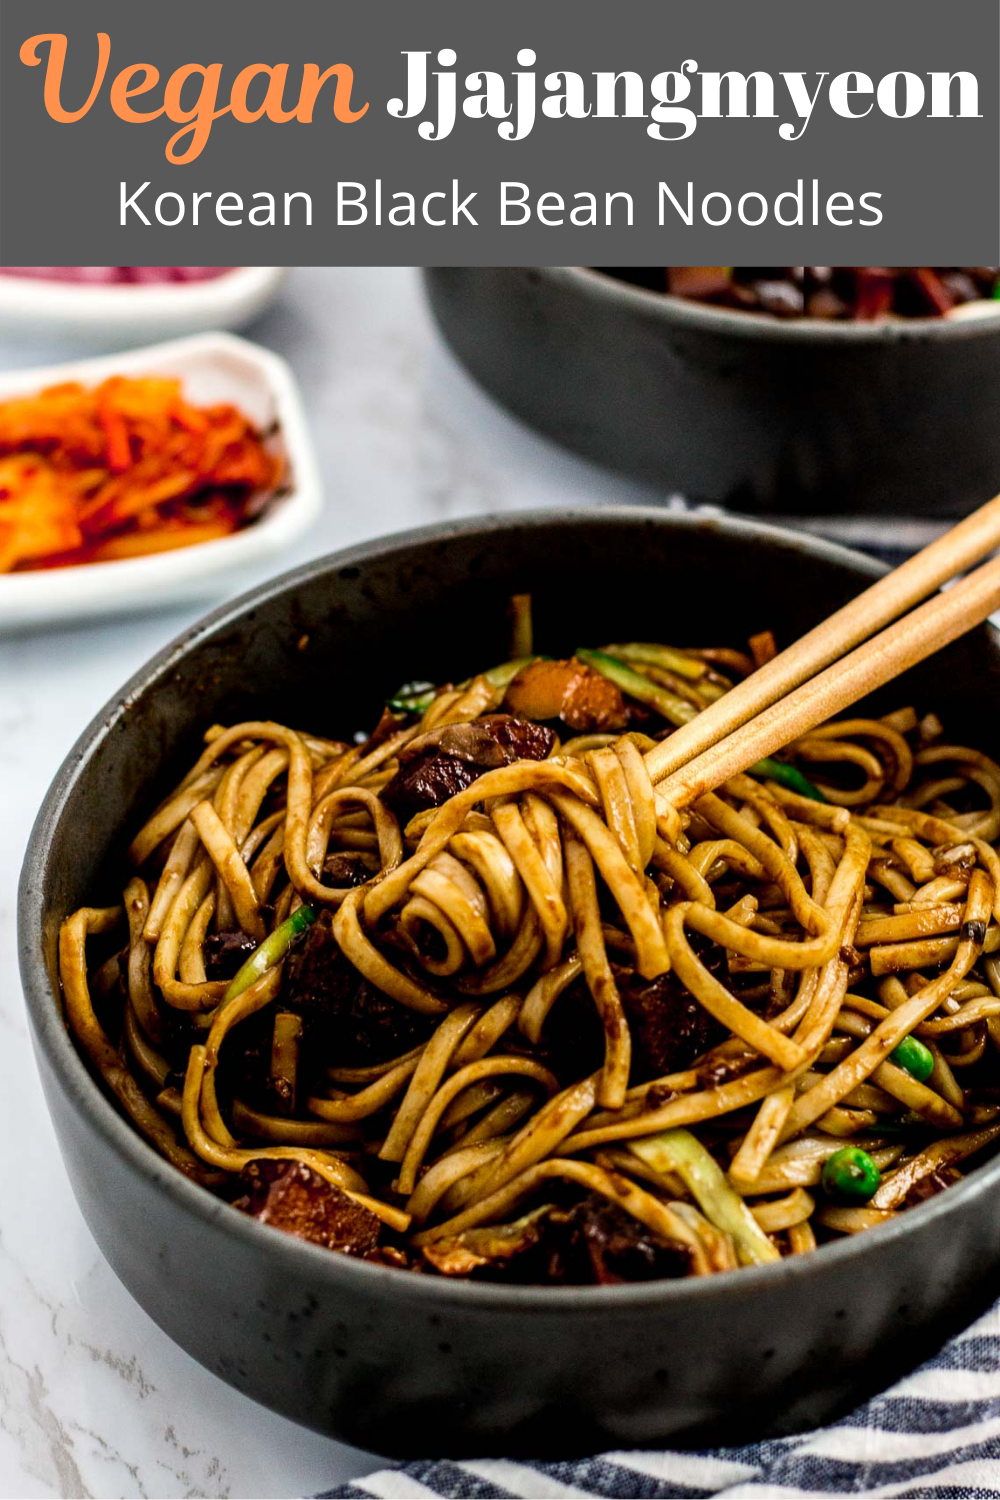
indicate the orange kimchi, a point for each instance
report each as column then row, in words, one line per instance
column 124, row 468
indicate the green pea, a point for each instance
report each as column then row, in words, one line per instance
column 850, row 1175
column 914, row 1057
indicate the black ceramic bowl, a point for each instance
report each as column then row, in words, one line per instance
column 736, row 408
column 403, row 1363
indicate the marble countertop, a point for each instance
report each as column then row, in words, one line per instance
column 94, row 1399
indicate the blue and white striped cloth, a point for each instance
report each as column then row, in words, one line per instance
column 936, row 1434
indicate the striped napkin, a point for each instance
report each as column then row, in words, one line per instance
column 935, row 1434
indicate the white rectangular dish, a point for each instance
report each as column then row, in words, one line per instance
column 128, row 313
column 213, row 367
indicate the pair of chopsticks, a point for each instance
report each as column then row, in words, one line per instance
column 829, row 669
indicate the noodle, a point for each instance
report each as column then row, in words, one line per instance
column 478, row 965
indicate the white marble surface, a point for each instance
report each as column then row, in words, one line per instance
column 94, row 1399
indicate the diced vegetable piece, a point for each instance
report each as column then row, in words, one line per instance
column 932, row 289
column 271, row 951
column 698, row 281
column 571, row 691
column 763, row 647
column 521, row 630
column 675, row 710
column 290, row 1196
column 439, row 764
column 874, row 292
column 679, row 1152
column 494, row 1245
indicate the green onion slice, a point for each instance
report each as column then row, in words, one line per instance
column 787, row 776
column 660, row 656
column 675, row 710
column 271, row 951
column 412, row 698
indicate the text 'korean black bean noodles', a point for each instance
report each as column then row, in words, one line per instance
column 470, row 997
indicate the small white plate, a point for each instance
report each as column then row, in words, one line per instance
column 128, row 313
column 213, row 367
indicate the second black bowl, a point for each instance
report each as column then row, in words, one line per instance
column 739, row 409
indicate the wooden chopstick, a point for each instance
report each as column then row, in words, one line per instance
column 967, row 543
column 933, row 625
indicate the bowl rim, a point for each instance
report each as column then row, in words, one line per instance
column 365, row 1278
column 87, row 305
column 592, row 282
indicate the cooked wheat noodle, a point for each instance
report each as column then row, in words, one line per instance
column 487, row 1067
column 516, row 943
